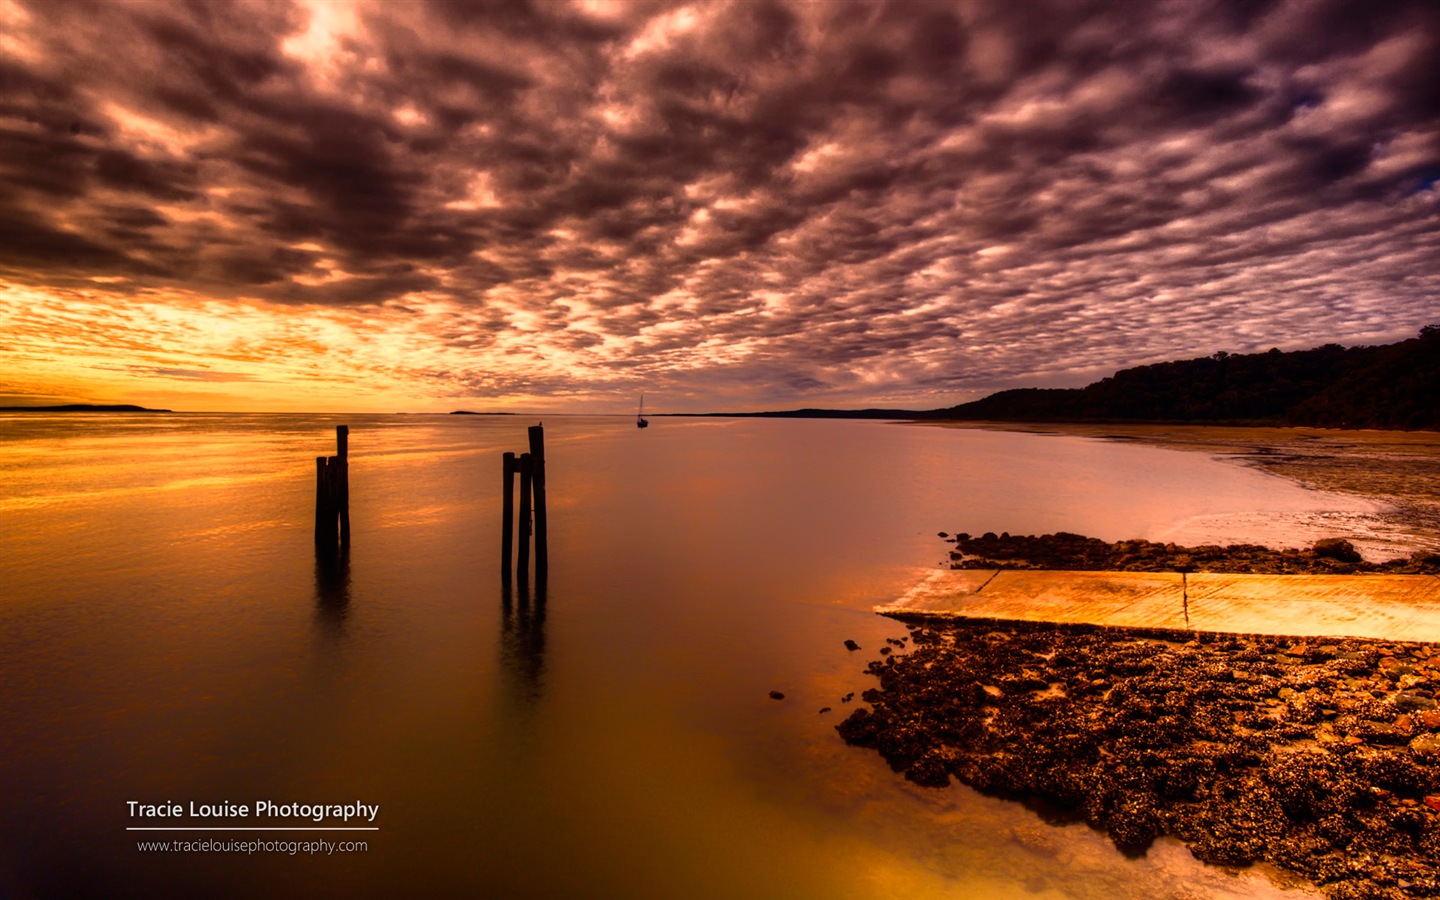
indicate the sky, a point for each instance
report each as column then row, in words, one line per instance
column 427, row 206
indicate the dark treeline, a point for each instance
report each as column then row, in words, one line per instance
column 813, row 413
column 1390, row 386
column 83, row 407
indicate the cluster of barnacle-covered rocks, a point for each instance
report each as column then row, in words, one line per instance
column 1062, row 550
column 1319, row 756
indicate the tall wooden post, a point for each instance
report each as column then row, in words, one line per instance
column 537, row 486
column 322, row 499
column 507, row 523
column 342, row 479
column 522, row 563
column 531, row 467
column 332, row 493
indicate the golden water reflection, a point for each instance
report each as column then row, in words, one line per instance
column 611, row 735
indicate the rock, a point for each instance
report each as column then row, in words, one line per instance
column 851, row 645
column 1426, row 743
column 824, row 710
column 776, row 695
column 929, row 770
column 1072, row 551
column 1337, row 549
column 861, row 727
column 1386, row 734
column 1413, row 701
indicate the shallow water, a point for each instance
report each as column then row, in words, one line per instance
column 166, row 634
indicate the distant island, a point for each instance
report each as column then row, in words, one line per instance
column 1391, row 386
column 84, row 407
column 466, row 412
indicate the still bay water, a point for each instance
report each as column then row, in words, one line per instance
column 166, row 634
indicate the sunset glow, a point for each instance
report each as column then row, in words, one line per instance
column 554, row 206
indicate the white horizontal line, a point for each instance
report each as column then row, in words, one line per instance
column 252, row 829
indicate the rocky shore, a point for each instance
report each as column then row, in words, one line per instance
column 1319, row 756
column 1333, row 556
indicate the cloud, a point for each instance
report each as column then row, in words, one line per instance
column 193, row 374
column 792, row 204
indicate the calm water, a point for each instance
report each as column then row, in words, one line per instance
column 167, row 635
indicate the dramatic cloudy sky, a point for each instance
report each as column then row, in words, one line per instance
column 510, row 205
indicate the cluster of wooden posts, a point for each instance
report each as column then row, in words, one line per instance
column 332, row 494
column 531, row 469
column 332, row 505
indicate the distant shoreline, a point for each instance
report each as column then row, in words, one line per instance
column 930, row 418
column 84, row 407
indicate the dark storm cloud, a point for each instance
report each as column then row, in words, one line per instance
column 849, row 201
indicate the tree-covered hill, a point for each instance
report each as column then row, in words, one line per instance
column 1390, row 386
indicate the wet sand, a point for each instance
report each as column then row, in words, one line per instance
column 1400, row 468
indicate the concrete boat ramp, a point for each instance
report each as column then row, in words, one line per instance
column 1387, row 607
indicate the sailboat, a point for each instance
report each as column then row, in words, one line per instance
column 640, row 416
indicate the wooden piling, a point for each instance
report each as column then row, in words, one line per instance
column 332, row 493
column 531, row 468
column 537, row 486
column 322, row 499
column 332, row 487
column 522, row 563
column 342, row 480
column 507, row 522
